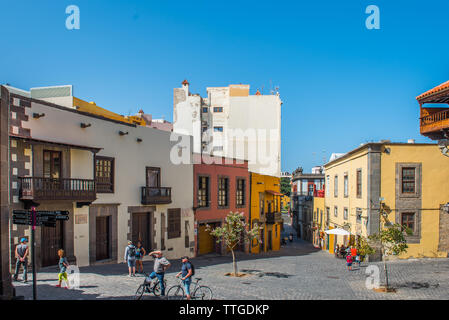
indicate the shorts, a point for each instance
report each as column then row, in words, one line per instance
column 349, row 264
column 62, row 275
column 187, row 283
column 131, row 263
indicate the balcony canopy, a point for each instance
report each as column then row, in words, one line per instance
column 59, row 144
column 439, row 94
column 274, row 193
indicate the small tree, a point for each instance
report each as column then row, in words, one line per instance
column 234, row 232
column 364, row 248
column 391, row 240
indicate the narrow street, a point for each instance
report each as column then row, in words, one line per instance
column 297, row 271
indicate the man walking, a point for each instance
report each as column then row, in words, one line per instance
column 21, row 254
column 130, row 258
column 161, row 264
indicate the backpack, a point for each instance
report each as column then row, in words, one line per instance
column 193, row 269
column 131, row 251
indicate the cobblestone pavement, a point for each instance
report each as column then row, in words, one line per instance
column 297, row 271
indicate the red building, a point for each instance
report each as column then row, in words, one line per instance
column 220, row 185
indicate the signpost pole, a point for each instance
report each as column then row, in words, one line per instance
column 33, row 261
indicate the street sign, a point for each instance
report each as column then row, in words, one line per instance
column 43, row 218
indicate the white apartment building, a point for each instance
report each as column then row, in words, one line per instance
column 232, row 123
column 116, row 180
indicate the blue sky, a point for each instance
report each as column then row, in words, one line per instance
column 341, row 83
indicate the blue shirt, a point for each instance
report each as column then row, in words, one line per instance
column 62, row 267
column 185, row 269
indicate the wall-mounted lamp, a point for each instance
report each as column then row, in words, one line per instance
column 38, row 115
column 139, row 140
column 122, row 133
column 387, row 150
column 85, row 125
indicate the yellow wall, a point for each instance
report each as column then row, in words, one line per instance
column 349, row 166
column 435, row 191
column 434, row 186
column 259, row 184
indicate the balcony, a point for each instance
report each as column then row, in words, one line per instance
column 156, row 195
column 434, row 122
column 37, row 189
column 273, row 217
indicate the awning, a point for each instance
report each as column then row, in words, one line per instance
column 59, row 144
column 275, row 193
column 338, row 231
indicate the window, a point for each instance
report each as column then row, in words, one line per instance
column 205, row 109
column 52, row 164
column 408, row 180
column 203, row 192
column 218, row 109
column 345, row 182
column 327, row 185
column 359, row 183
column 186, row 234
column 240, row 196
column 335, row 212
column 223, row 192
column 336, row 186
column 345, row 213
column 408, row 220
column 358, row 213
column 174, row 223
column 311, row 189
column 104, row 174
column 218, row 129
column 204, row 128
column 327, row 215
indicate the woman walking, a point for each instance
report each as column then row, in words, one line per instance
column 140, row 253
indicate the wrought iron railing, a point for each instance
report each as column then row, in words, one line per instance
column 156, row 195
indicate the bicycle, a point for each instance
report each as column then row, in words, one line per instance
column 149, row 286
column 200, row 292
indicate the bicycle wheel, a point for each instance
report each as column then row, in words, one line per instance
column 157, row 289
column 175, row 293
column 139, row 293
column 202, row 293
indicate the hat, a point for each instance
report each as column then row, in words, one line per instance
column 130, row 242
column 23, row 240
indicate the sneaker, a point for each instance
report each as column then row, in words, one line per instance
column 58, row 286
column 25, row 281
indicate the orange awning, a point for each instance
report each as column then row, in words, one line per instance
column 275, row 193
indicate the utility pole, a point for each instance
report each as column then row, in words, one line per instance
column 381, row 215
column 33, row 260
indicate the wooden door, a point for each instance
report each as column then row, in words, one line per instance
column 103, row 237
column 51, row 241
column 270, row 240
column 153, row 177
column 206, row 241
column 141, row 229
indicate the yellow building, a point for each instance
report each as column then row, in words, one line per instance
column 408, row 177
column 266, row 211
column 285, row 202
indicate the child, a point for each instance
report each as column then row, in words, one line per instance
column 349, row 262
column 63, row 264
column 357, row 259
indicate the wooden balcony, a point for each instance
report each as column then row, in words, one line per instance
column 273, row 217
column 37, row 188
column 434, row 123
column 156, row 195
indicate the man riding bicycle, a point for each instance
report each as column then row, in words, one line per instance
column 186, row 275
column 161, row 264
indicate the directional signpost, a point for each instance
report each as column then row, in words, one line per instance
column 35, row 219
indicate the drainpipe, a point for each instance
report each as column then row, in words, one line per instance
column 249, row 209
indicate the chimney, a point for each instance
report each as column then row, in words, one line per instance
column 185, row 86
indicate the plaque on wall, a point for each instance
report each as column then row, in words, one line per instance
column 81, row 219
